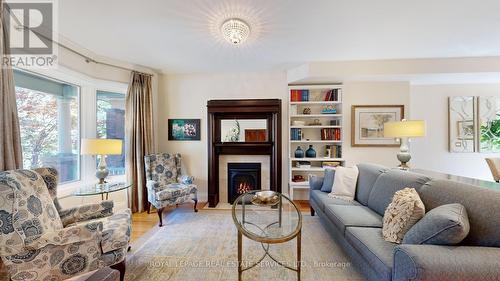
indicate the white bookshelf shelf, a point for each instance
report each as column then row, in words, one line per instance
column 315, row 127
column 312, row 169
column 301, row 184
column 316, row 141
column 325, row 115
column 311, row 135
column 317, row 159
column 315, row 102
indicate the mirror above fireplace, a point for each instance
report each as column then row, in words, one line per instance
column 244, row 130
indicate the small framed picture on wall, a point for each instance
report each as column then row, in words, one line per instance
column 184, row 129
column 367, row 124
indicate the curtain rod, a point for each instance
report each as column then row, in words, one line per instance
column 87, row 58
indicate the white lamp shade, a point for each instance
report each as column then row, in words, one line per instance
column 409, row 128
column 101, row 147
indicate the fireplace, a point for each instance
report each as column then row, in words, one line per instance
column 241, row 178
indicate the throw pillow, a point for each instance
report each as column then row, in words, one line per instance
column 405, row 210
column 328, row 180
column 444, row 225
column 345, row 180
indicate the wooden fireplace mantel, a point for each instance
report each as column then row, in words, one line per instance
column 269, row 109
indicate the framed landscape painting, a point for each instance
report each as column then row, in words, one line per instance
column 184, row 129
column 367, row 124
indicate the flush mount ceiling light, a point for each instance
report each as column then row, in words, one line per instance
column 235, row 31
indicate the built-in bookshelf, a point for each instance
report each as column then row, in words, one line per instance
column 315, row 118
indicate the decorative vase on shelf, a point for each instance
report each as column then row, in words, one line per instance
column 299, row 153
column 311, row 153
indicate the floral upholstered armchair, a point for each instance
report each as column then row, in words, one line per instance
column 41, row 241
column 166, row 184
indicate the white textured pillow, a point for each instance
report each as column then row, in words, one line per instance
column 344, row 183
column 405, row 210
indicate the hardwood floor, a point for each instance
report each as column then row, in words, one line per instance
column 142, row 223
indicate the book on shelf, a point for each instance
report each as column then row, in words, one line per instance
column 296, row 134
column 332, row 95
column 334, row 151
column 335, row 122
column 299, row 95
column 330, row 134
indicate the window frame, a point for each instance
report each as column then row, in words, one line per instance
column 87, row 117
column 115, row 177
column 79, row 128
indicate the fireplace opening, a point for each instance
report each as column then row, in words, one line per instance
column 242, row 177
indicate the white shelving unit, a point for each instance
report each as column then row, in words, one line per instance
column 311, row 134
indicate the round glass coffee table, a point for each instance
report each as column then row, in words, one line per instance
column 272, row 221
column 103, row 189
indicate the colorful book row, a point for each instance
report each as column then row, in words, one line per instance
column 299, row 95
column 330, row 134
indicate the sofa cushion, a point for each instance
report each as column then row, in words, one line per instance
column 377, row 252
column 390, row 182
column 322, row 199
column 345, row 183
column 444, row 225
column 345, row 216
column 405, row 210
column 328, row 180
column 480, row 203
column 368, row 174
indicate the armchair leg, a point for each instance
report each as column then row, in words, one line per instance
column 121, row 268
column 149, row 208
column 160, row 216
column 195, row 203
column 312, row 211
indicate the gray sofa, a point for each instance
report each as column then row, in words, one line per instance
column 357, row 227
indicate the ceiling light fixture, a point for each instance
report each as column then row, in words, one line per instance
column 235, row 31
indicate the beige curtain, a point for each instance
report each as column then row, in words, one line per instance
column 10, row 136
column 139, row 136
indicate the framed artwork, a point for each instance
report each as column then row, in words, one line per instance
column 489, row 124
column 184, row 129
column 462, row 124
column 367, row 124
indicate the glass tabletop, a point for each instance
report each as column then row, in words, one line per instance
column 96, row 189
column 266, row 216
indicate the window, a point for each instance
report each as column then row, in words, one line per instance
column 111, row 125
column 49, row 120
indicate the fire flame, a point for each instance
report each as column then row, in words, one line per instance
column 244, row 187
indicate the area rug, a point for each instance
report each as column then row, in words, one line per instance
column 203, row 246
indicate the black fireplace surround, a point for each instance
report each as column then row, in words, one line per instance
column 241, row 178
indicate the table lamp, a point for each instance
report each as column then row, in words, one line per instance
column 101, row 147
column 404, row 130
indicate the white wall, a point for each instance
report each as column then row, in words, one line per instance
column 430, row 103
column 186, row 96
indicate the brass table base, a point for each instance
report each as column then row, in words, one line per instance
column 265, row 247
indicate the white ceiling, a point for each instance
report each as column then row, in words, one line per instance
column 181, row 36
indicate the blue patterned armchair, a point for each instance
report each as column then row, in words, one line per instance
column 41, row 241
column 166, row 184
